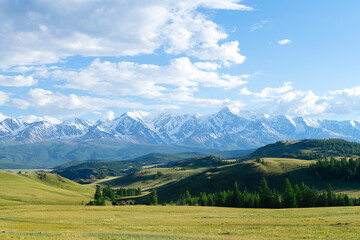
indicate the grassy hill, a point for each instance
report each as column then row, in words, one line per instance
column 306, row 149
column 152, row 177
column 41, row 188
column 248, row 175
column 88, row 171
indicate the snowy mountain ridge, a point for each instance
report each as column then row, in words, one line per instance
column 226, row 129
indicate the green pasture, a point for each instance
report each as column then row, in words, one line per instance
column 176, row 222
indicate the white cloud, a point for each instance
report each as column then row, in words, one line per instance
column 145, row 80
column 17, row 81
column 109, row 115
column 4, row 98
column 347, row 100
column 355, row 91
column 284, row 41
column 62, row 105
column 47, row 32
column 273, row 92
column 298, row 103
column 258, row 26
column 286, row 100
column 245, row 91
column 209, row 66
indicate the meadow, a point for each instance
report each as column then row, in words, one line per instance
column 176, row 222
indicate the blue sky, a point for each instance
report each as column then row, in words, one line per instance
column 90, row 59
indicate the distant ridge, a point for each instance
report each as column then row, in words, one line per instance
column 227, row 129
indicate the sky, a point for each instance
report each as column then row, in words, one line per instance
column 97, row 59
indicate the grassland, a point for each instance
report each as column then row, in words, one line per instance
column 36, row 188
column 170, row 222
column 147, row 178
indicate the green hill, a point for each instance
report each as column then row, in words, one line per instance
column 247, row 174
column 41, row 188
column 85, row 171
column 307, row 149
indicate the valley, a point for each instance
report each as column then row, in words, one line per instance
column 46, row 205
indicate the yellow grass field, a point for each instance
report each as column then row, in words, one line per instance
column 19, row 189
column 176, row 222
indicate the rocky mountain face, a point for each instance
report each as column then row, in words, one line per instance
column 226, row 129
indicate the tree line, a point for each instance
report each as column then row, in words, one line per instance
column 108, row 193
column 330, row 168
column 338, row 146
column 126, row 192
column 290, row 197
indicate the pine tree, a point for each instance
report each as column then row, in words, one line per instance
column 236, row 201
column 98, row 197
column 203, row 199
column 153, row 200
column 288, row 196
column 265, row 194
column 330, row 196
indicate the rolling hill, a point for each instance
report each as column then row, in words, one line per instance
column 307, row 149
column 41, row 188
column 90, row 170
column 216, row 176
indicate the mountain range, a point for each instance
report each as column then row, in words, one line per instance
column 226, row 129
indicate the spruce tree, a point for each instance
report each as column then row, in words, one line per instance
column 153, row 200
column 288, row 196
column 265, row 194
column 236, row 202
column 98, row 197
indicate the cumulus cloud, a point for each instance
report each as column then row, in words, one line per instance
column 46, row 32
column 347, row 100
column 355, row 91
column 286, row 100
column 109, row 115
column 245, row 91
column 273, row 92
column 299, row 103
column 145, row 80
column 4, row 98
column 62, row 105
column 284, row 41
column 17, row 81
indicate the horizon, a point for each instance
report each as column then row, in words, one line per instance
column 96, row 60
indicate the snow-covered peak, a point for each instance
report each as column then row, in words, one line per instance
column 311, row 122
column 78, row 123
column 229, row 110
column 11, row 125
column 291, row 120
column 137, row 115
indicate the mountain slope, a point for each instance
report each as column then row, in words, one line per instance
column 248, row 175
column 307, row 149
column 41, row 188
column 50, row 154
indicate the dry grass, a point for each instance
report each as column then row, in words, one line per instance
column 170, row 222
column 28, row 188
